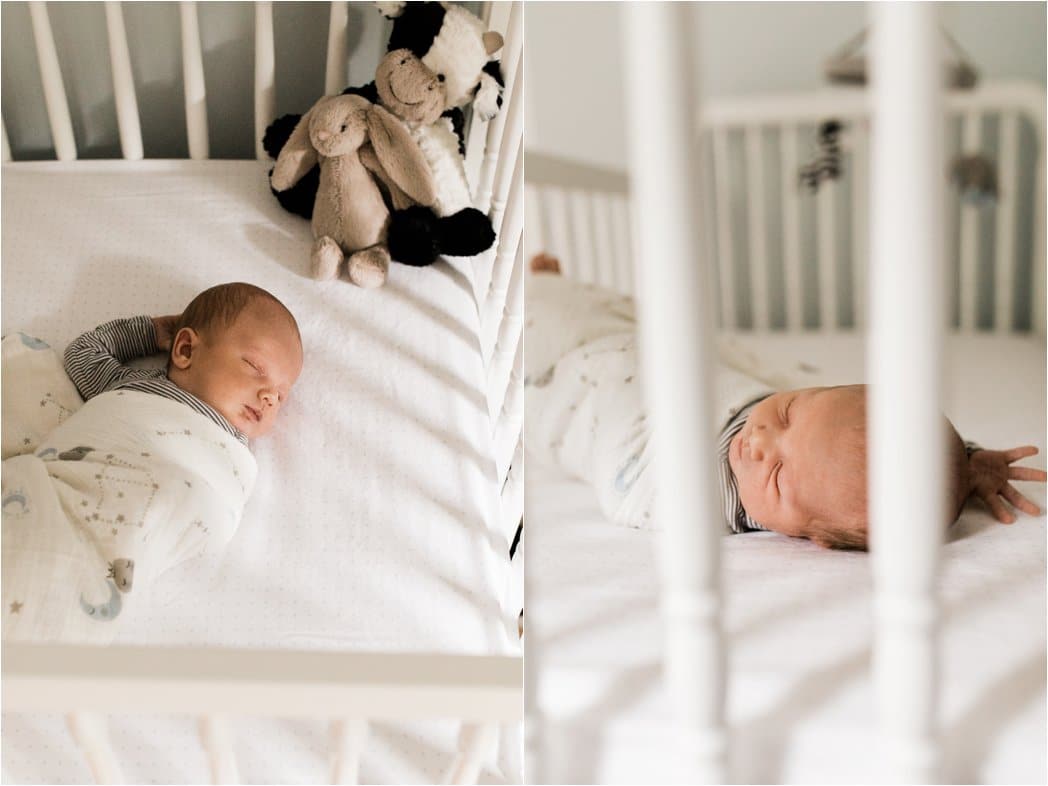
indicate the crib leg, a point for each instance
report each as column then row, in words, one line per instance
column 90, row 732
column 347, row 744
column 218, row 742
column 476, row 742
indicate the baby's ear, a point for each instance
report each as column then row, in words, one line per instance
column 183, row 346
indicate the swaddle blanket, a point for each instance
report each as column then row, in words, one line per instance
column 583, row 404
column 125, row 487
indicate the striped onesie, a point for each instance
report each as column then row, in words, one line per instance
column 95, row 362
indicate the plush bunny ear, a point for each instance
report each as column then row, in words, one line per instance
column 390, row 10
column 296, row 158
column 400, row 156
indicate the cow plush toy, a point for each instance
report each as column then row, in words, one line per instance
column 439, row 59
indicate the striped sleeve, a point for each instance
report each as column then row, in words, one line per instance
column 95, row 361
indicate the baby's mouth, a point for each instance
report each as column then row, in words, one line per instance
column 253, row 414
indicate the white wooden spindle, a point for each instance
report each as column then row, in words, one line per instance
column 623, row 240
column 512, row 140
column 554, row 214
column 509, row 420
column 1004, row 234
column 347, row 737
column 860, row 220
column 971, row 143
column 674, row 290
column 509, row 239
column 510, row 324
column 54, row 87
column 476, row 743
column 609, row 274
column 826, row 253
column 723, row 206
column 217, row 740
column 338, row 29
column 123, row 84
column 791, row 235
column 1037, row 307
column 513, row 497
column 906, row 438
column 193, row 77
column 582, row 234
column 90, row 732
column 6, row 146
column 510, row 62
column 535, row 238
column 759, row 284
column 265, row 74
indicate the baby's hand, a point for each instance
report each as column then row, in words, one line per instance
column 165, row 330
column 990, row 473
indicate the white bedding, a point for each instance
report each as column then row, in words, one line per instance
column 372, row 522
column 798, row 617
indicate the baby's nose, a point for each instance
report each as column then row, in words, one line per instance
column 269, row 398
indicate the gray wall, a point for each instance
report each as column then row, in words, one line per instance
column 743, row 48
column 227, row 39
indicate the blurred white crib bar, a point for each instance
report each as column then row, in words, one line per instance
column 86, row 683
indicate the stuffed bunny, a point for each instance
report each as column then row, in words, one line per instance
column 350, row 138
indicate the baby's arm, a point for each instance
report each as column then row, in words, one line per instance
column 989, row 476
column 95, row 361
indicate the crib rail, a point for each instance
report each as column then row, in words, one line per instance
column 85, row 683
column 790, row 259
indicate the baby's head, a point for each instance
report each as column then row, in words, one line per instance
column 237, row 348
column 800, row 465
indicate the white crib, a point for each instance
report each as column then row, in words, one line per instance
column 345, row 688
column 749, row 266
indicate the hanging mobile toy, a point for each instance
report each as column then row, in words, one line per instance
column 976, row 177
column 827, row 163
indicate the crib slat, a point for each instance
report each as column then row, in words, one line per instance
column 338, row 29
column 971, row 142
column 54, row 87
column 535, row 237
column 726, row 263
column 624, row 251
column 193, row 76
column 511, row 59
column 217, row 740
column 1004, row 234
column 513, row 493
column 791, row 240
column 509, row 328
column 608, row 273
column 501, row 272
column 5, row 151
column 675, row 300
column 512, row 135
column 509, row 420
column 1037, row 307
column 476, row 742
column 123, row 84
column 905, row 369
column 582, row 235
column 90, row 732
column 265, row 74
column 860, row 209
column 757, row 230
column 825, row 255
column 347, row 738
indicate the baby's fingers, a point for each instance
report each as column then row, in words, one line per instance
column 998, row 509
column 1027, row 473
column 1019, row 501
column 1018, row 453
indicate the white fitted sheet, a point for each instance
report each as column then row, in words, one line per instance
column 797, row 617
column 372, row 526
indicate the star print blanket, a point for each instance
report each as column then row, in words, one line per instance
column 103, row 497
column 583, row 404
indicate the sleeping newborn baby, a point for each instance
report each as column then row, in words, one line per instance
column 154, row 467
column 792, row 461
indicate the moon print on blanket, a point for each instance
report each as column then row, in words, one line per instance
column 104, row 611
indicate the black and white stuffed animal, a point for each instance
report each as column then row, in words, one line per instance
column 453, row 46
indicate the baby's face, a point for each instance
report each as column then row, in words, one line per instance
column 246, row 371
column 800, row 458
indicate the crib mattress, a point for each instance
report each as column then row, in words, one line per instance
column 372, row 526
column 797, row 617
